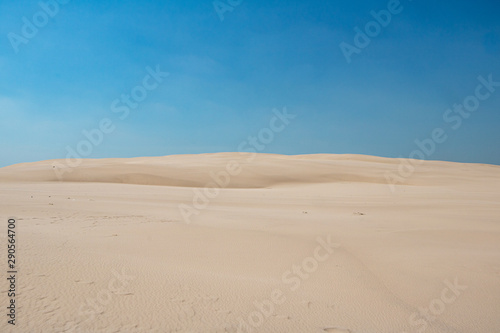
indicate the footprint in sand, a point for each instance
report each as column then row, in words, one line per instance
column 336, row 330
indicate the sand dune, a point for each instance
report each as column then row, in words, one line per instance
column 263, row 170
column 308, row 243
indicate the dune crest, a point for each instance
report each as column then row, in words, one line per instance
column 257, row 171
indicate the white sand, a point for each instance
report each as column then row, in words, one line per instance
column 397, row 252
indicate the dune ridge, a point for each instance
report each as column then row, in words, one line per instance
column 258, row 171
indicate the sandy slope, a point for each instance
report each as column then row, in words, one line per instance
column 107, row 249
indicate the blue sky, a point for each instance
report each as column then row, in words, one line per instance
column 226, row 76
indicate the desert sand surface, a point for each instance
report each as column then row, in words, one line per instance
column 307, row 243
